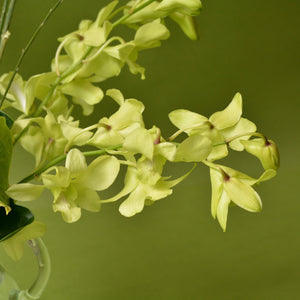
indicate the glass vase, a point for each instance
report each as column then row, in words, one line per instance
column 9, row 289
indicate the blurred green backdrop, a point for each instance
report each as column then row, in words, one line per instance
column 174, row 249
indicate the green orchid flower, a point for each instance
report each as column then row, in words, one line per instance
column 20, row 94
column 181, row 12
column 43, row 139
column 144, row 184
column 218, row 128
column 49, row 137
column 162, row 9
column 75, row 186
column 265, row 150
column 231, row 186
column 112, row 131
column 89, row 34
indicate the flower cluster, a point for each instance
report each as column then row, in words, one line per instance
column 46, row 129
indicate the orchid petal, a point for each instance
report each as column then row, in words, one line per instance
column 140, row 141
column 243, row 195
column 25, row 191
column 230, row 115
column 134, row 203
column 75, row 161
column 186, row 120
column 222, row 210
column 195, row 148
column 101, row 173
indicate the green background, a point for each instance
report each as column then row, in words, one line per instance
column 174, row 249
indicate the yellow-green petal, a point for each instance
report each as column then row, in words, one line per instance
column 25, row 191
column 216, row 190
column 186, row 23
column 94, row 36
column 62, row 178
column 134, row 203
column 167, row 150
column 75, row 161
column 194, row 149
column 33, row 142
column 100, row 68
column 219, row 149
column 105, row 138
column 130, row 183
column 105, row 12
column 88, row 199
column 242, row 127
column 186, row 120
column 147, row 13
column 230, row 115
column 222, row 209
column 140, row 141
column 128, row 113
column 84, row 90
column 101, row 173
column 243, row 195
column 120, row 52
column 267, row 175
column 116, row 95
column 65, row 203
column 74, row 134
column 150, row 35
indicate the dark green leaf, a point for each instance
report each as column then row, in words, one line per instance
column 6, row 148
column 11, row 223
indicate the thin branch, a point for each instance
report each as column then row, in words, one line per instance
column 24, row 50
column 3, row 13
column 61, row 158
column 5, row 29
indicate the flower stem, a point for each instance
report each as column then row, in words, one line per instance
column 24, row 50
column 61, row 158
column 7, row 15
column 3, row 13
column 124, row 18
column 180, row 131
column 112, row 39
column 117, row 11
column 229, row 140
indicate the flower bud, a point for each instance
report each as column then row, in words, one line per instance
column 265, row 150
column 187, row 24
column 188, row 6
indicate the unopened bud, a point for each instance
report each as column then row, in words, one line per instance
column 265, row 150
